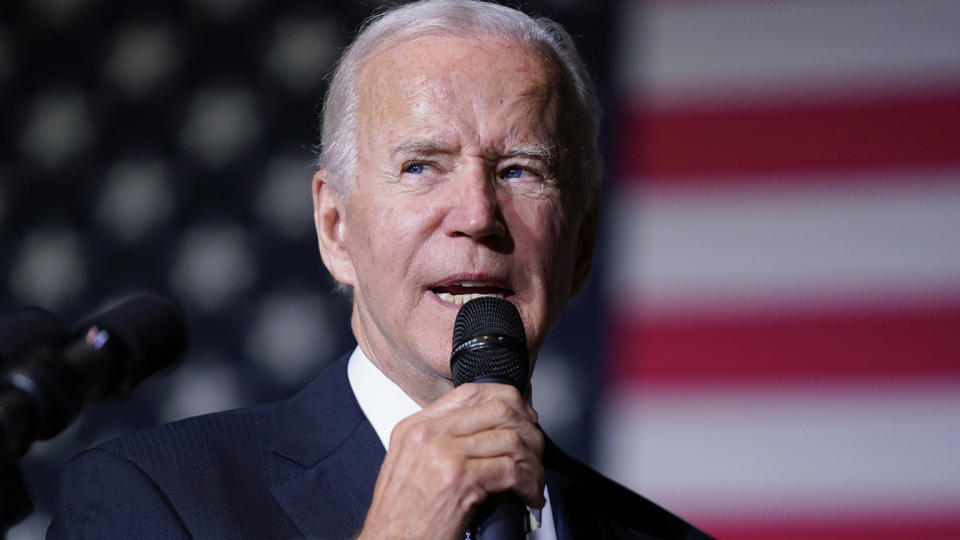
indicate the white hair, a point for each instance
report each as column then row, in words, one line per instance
column 339, row 136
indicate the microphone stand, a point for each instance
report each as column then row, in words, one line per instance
column 15, row 502
column 39, row 397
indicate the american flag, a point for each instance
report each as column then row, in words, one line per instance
column 784, row 272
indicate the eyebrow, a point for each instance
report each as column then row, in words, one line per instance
column 547, row 154
column 420, row 147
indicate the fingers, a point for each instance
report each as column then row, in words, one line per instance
column 524, row 478
column 473, row 407
column 498, row 461
column 481, row 421
column 502, row 460
column 474, row 442
column 493, row 430
column 502, row 443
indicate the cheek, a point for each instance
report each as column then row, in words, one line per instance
column 557, row 253
column 365, row 232
column 391, row 232
column 545, row 232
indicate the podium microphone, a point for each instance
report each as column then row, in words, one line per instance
column 46, row 377
column 43, row 390
column 27, row 329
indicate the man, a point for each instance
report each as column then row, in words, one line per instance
column 458, row 158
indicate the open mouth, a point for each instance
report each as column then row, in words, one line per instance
column 461, row 292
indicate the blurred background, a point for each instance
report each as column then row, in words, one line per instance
column 769, row 345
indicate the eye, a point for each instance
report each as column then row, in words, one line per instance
column 415, row 168
column 515, row 171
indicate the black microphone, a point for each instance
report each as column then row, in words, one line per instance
column 43, row 391
column 490, row 345
column 122, row 346
column 46, row 377
column 21, row 331
column 29, row 328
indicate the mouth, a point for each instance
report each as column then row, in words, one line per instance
column 461, row 292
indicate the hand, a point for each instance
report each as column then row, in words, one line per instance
column 476, row 440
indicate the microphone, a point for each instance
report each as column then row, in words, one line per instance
column 122, row 346
column 21, row 331
column 490, row 345
column 46, row 377
column 26, row 329
column 42, row 392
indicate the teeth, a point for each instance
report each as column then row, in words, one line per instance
column 473, row 284
column 461, row 299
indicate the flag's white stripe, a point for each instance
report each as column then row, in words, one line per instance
column 729, row 453
column 757, row 246
column 682, row 52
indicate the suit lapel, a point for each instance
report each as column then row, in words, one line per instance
column 558, row 484
column 327, row 458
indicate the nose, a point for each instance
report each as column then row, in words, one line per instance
column 474, row 210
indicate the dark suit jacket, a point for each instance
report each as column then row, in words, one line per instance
column 305, row 467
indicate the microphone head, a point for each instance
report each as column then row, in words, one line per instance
column 490, row 344
column 151, row 330
column 29, row 328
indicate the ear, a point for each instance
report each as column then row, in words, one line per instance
column 328, row 217
column 586, row 240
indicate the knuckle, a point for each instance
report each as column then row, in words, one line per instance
column 510, row 470
column 498, row 409
column 434, row 453
column 469, row 391
column 513, row 440
column 473, row 495
column 403, row 427
column 537, row 442
column 417, row 433
column 398, row 435
column 450, row 471
column 510, row 393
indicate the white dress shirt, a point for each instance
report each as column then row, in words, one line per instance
column 385, row 405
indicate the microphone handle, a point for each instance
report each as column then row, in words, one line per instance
column 500, row 520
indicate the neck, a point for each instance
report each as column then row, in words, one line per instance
column 423, row 384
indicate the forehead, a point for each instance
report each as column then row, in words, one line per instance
column 474, row 79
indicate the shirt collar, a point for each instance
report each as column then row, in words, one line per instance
column 380, row 399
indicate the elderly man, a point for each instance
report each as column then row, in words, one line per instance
column 458, row 159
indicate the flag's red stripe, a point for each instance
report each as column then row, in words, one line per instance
column 833, row 136
column 788, row 346
column 876, row 528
